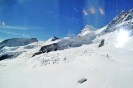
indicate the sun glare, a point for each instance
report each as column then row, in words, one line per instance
column 122, row 38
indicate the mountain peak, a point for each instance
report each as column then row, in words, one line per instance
column 53, row 38
column 87, row 29
column 90, row 28
column 123, row 17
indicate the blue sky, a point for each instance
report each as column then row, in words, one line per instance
column 43, row 19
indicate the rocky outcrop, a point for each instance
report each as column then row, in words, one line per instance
column 82, row 80
column 6, row 56
column 47, row 48
column 101, row 43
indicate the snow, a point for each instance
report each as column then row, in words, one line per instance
column 1, row 40
column 87, row 29
column 52, row 39
column 86, row 61
column 106, row 67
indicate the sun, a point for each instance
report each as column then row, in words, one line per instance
column 122, row 38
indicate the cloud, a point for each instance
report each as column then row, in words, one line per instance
column 26, row 35
column 14, row 27
column 17, row 27
column 15, row 33
column 101, row 11
column 71, row 35
column 9, row 32
column 92, row 10
column 3, row 23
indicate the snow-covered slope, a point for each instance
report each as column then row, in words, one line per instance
column 123, row 20
column 109, row 66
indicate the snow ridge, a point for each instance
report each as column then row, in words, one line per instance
column 87, row 29
column 123, row 20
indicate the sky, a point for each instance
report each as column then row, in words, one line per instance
column 43, row 19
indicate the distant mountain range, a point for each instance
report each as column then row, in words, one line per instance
column 17, row 42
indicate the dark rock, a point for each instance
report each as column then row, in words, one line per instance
column 82, row 80
column 1, row 46
column 128, row 17
column 47, row 48
column 37, row 53
column 102, row 43
column 6, row 56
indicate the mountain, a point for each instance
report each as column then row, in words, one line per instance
column 100, row 58
column 17, row 42
column 123, row 20
column 53, row 39
column 87, row 29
